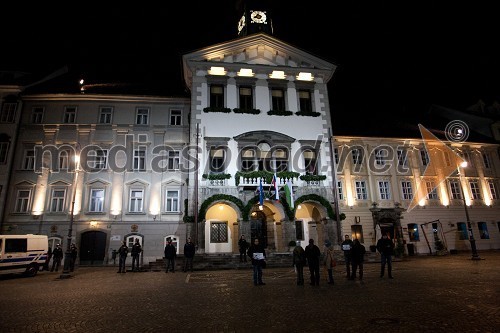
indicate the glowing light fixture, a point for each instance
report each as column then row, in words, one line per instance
column 304, row 76
column 277, row 75
column 217, row 71
column 245, row 72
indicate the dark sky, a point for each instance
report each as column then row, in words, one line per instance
column 394, row 58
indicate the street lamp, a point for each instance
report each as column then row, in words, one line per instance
column 472, row 241
column 67, row 257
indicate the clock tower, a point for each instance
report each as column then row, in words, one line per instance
column 255, row 17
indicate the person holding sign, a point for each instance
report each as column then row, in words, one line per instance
column 258, row 255
column 346, row 247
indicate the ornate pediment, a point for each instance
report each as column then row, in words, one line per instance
column 256, row 52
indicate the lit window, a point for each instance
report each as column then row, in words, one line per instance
column 57, row 201
column 136, row 201
column 23, row 201
column 218, row 232
column 172, row 201
column 96, row 200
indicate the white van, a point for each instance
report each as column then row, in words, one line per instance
column 22, row 253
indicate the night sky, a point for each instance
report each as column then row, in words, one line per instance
column 394, row 59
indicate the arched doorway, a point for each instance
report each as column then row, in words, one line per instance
column 92, row 248
column 258, row 226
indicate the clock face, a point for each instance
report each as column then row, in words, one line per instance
column 241, row 23
column 258, row 17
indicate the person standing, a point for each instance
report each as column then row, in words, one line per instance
column 243, row 246
column 136, row 253
column 312, row 256
column 170, row 255
column 73, row 253
column 329, row 261
column 189, row 251
column 258, row 255
column 57, row 256
column 358, row 257
column 385, row 247
column 346, row 247
column 122, row 257
column 299, row 260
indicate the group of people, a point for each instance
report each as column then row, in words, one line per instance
column 311, row 257
column 354, row 256
column 57, row 255
column 134, row 252
column 354, row 253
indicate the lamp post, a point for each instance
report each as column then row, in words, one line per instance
column 67, row 257
column 475, row 255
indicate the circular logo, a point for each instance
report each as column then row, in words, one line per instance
column 457, row 131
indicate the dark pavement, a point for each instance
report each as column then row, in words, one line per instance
column 428, row 294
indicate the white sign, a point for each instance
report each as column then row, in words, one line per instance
column 115, row 238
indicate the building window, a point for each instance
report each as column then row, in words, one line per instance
column 217, row 159
column 431, row 190
column 305, row 101
column 361, row 193
column 462, row 231
column 29, row 159
column 173, row 160
column 218, row 232
column 384, row 189
column 57, row 201
column 248, row 159
column 98, row 159
column 142, row 116
column 402, row 158
column 8, row 113
column 424, row 157
column 69, row 115
column 216, row 96
column 4, row 150
column 310, row 162
column 486, row 160
column 105, row 114
column 493, row 190
column 37, row 114
column 278, row 99
column 172, row 201
column 64, row 158
column 380, row 156
column 280, row 159
column 139, row 160
column 357, row 232
column 336, row 155
column 340, row 190
column 136, row 204
column 456, row 193
column 23, row 201
column 175, row 117
column 413, row 232
column 407, row 190
column 246, row 98
column 96, row 200
column 466, row 156
column 357, row 156
column 483, row 230
column 474, row 190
